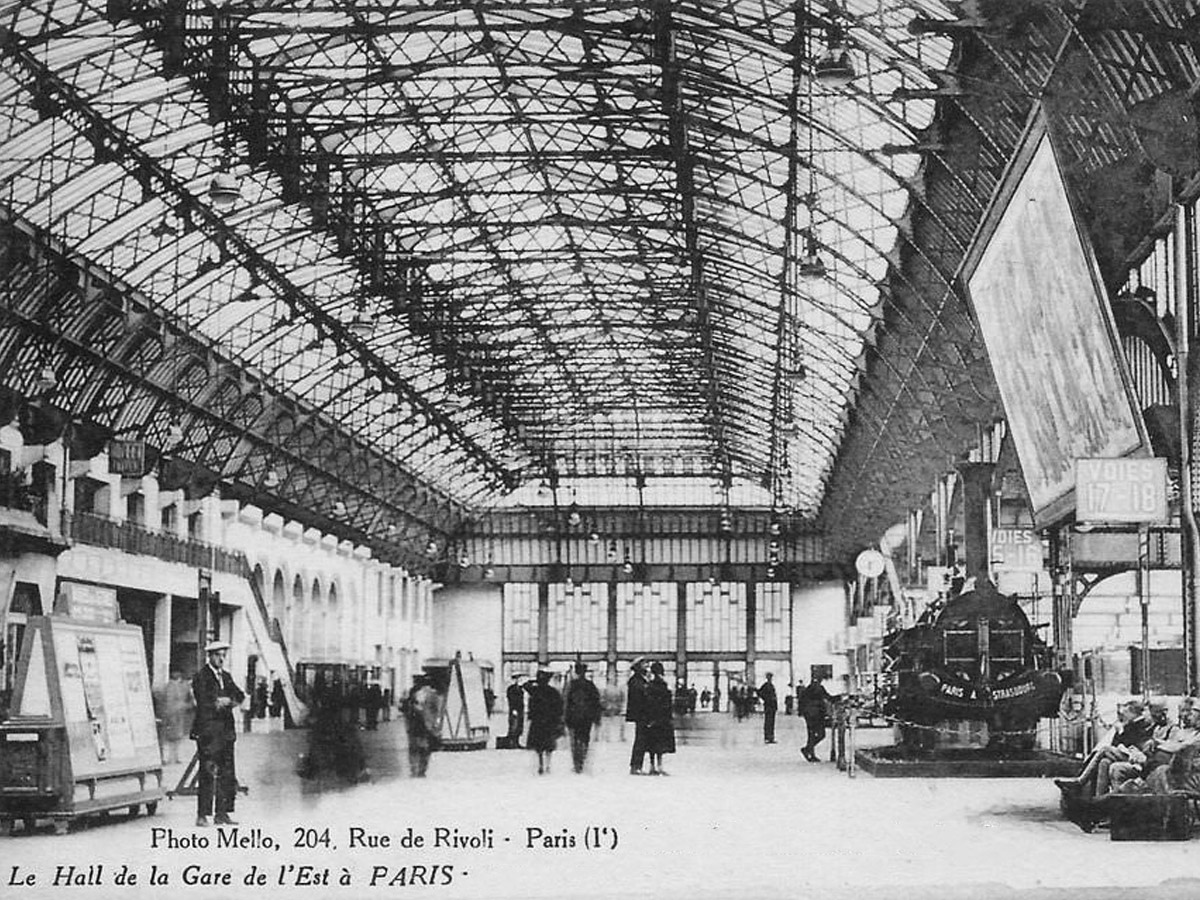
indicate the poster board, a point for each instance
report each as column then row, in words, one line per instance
column 472, row 691
column 93, row 679
column 1036, row 292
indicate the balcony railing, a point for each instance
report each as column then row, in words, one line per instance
column 15, row 494
column 100, row 531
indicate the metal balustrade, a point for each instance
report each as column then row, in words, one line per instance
column 101, row 531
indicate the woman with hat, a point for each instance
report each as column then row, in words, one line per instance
column 660, row 731
column 545, row 719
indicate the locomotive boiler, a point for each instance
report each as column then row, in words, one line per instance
column 972, row 673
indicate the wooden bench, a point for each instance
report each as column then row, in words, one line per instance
column 1151, row 817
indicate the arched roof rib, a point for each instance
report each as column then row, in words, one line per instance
column 550, row 211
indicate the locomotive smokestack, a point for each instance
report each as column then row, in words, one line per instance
column 977, row 490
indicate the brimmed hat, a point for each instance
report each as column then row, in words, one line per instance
column 640, row 661
column 214, row 646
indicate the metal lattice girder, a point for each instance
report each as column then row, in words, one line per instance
column 490, row 238
column 118, row 368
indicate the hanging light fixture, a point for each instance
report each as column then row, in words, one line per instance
column 431, row 549
column 224, row 190
column 594, row 537
column 362, row 325
column 339, row 509
column 574, row 517
column 271, row 481
column 464, row 559
column 834, row 67
column 811, row 265
column 47, row 381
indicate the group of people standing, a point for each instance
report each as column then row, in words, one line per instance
column 577, row 710
column 648, row 707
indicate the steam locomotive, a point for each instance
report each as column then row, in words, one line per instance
column 973, row 673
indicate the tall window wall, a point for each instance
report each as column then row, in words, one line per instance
column 646, row 617
column 773, row 619
column 716, row 617
column 577, row 618
column 520, row 618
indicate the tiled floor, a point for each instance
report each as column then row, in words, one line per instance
column 736, row 818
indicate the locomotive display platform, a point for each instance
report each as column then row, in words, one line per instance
column 899, row 762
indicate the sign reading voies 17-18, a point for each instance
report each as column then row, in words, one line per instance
column 1121, row 490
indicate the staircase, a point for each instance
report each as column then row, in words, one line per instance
column 269, row 636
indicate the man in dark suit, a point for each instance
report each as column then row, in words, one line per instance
column 516, row 711
column 635, row 712
column 770, row 702
column 814, row 707
column 214, row 731
column 581, row 712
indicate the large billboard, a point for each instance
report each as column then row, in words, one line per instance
column 1037, row 296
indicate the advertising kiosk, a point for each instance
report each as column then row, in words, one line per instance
column 82, row 737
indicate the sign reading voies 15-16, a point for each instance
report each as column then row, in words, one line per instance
column 1121, row 490
column 1017, row 550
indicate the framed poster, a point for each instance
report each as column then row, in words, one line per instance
column 1037, row 296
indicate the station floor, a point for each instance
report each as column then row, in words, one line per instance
column 735, row 818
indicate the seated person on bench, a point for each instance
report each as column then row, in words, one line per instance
column 1122, row 774
column 1182, row 773
column 1127, row 746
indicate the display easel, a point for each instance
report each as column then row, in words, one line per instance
column 189, row 781
column 82, row 739
column 464, row 724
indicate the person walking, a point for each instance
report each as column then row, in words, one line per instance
column 277, row 697
column 545, row 719
column 770, row 701
column 372, row 703
column 660, row 730
column 174, row 704
column 214, row 731
column 814, row 707
column 635, row 712
column 422, row 723
column 515, row 696
column 581, row 712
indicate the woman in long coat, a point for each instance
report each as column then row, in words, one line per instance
column 545, row 719
column 660, row 731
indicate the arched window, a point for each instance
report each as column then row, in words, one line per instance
column 280, row 608
column 316, row 622
column 299, row 620
column 333, row 626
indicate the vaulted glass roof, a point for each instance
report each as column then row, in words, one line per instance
column 495, row 243
column 573, row 231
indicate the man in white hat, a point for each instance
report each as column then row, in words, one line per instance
column 214, row 731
